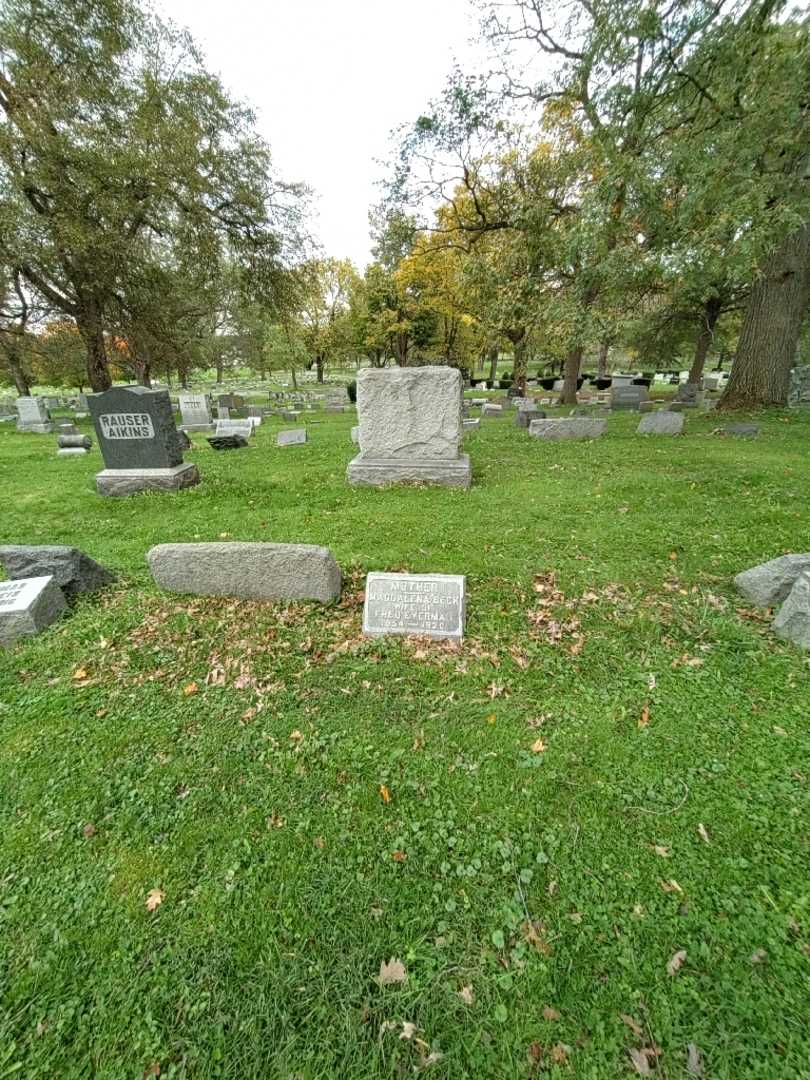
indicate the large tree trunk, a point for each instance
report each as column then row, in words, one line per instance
column 573, row 362
column 602, row 362
column 143, row 371
column 294, row 379
column 760, row 374
column 16, row 371
column 708, row 320
column 219, row 365
column 319, row 368
column 518, row 340
column 88, row 321
column 492, row 356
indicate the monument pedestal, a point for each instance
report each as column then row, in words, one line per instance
column 132, row 481
column 37, row 429
column 209, row 429
column 371, row 471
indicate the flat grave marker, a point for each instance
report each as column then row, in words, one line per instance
column 418, row 604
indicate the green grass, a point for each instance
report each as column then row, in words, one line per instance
column 530, row 876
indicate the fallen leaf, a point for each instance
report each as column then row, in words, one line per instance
column 399, row 856
column 154, row 899
column 758, row 956
column 633, row 1024
column 80, row 673
column 694, row 1063
column 295, row 736
column 319, row 843
column 190, row 689
column 670, row 886
column 704, row 836
column 151, row 1070
column 408, row 1030
column 491, row 718
column 535, row 1053
column 467, row 995
column 641, row 1062
column 89, row 830
column 661, row 850
column 385, row 794
column 392, row 974
column 560, row 1052
column 644, row 719
column 550, row 1013
column 539, row 746
column 676, row 962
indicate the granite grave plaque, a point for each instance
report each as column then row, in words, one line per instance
column 28, row 605
column 420, row 604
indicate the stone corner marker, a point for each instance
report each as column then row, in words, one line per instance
column 770, row 582
column 72, row 570
column 248, row 571
column 28, row 605
column 661, row 423
column 410, row 428
column 793, row 621
column 573, row 427
column 432, row 605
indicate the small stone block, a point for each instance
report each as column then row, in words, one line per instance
column 664, row 422
column 432, row 605
column 248, row 571
column 293, row 437
column 28, row 605
column 742, row 431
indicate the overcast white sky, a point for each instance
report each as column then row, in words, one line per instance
column 329, row 79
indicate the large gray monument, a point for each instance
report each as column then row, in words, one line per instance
column 195, row 412
column 410, row 428
column 139, row 442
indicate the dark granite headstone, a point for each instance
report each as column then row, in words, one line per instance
column 136, row 428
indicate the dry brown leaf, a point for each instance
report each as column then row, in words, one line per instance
column 393, row 973
column 89, row 830
column 408, row 1030
column 189, row 689
column 633, row 1024
column 385, row 794
column 560, row 1052
column 694, row 1062
column 704, row 836
column 467, row 995
column 758, row 956
column 319, row 843
column 154, row 899
column 80, row 673
column 539, row 746
column 644, row 719
column 670, row 886
column 676, row 962
column 550, row 1013
column 662, row 850
column 151, row 1070
column 399, row 856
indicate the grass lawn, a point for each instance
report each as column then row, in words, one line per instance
column 583, row 832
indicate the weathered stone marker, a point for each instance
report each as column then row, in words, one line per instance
column 292, row 437
column 27, row 606
column 249, row 571
column 410, row 427
column 72, row 570
column 491, row 410
column 139, row 442
column 195, row 412
column 772, row 581
column 572, row 427
column 32, row 416
column 234, row 427
column 429, row 604
column 628, row 396
column 527, row 413
column 793, row 620
column 664, row 422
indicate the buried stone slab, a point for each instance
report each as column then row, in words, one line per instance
column 664, row 422
column 742, row 431
column 248, row 571
column 770, row 582
column 793, row 620
column 227, row 442
column 72, row 570
column 419, row 604
column 524, row 416
column 28, row 605
column 572, row 427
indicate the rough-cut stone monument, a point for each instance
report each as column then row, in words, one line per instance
column 793, row 620
column 410, row 427
column 28, row 605
column 139, row 442
column 72, row 570
column 249, row 571
column 771, row 582
column 33, row 416
column 429, row 604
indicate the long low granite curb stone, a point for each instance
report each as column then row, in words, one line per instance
column 665, row 422
column 573, row 427
column 72, row 570
column 770, row 582
column 248, row 571
column 793, row 621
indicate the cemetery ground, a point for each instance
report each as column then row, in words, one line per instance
column 580, row 835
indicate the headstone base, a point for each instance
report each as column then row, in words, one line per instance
column 71, row 451
column 132, row 481
column 377, row 472
column 36, row 429
column 209, row 429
